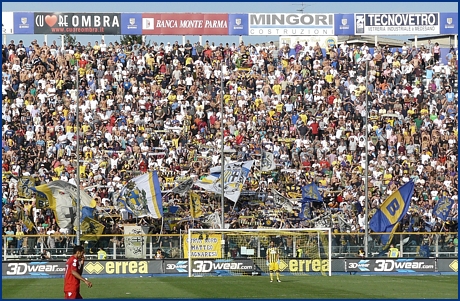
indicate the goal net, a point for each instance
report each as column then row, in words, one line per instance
column 217, row 252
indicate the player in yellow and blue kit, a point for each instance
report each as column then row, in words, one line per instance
column 273, row 260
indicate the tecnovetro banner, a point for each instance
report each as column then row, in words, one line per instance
column 449, row 23
column 7, row 23
column 131, row 24
column 291, row 24
column 344, row 24
column 397, row 24
column 77, row 23
column 184, row 24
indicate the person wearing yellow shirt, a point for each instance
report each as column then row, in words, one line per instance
column 387, row 178
column 303, row 117
column 276, row 89
column 279, row 107
column 258, row 101
column 188, row 61
column 329, row 78
column 77, row 55
column 96, row 48
column 65, row 111
column 59, row 169
column 81, row 72
column 85, row 127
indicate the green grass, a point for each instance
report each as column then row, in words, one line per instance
column 244, row 287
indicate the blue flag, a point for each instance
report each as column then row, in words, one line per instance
column 305, row 212
column 391, row 212
column 443, row 207
column 310, row 193
column 87, row 211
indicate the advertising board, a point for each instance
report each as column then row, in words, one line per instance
column 291, row 24
column 401, row 265
column 184, row 24
column 77, row 23
column 397, row 24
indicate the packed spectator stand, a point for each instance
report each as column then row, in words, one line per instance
column 146, row 107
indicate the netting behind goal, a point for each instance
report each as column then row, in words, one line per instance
column 216, row 252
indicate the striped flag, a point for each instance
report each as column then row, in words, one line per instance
column 141, row 196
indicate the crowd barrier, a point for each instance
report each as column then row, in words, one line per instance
column 234, row 266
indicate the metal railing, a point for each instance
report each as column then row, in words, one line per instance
column 414, row 244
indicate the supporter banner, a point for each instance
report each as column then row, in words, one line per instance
column 344, row 24
column 400, row 265
column 7, row 22
column 231, row 265
column 23, row 23
column 131, row 24
column 184, row 24
column 323, row 41
column 238, row 24
column 77, row 23
column 291, row 24
column 449, row 23
column 204, row 246
column 397, row 24
column 135, row 246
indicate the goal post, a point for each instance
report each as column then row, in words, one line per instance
column 222, row 252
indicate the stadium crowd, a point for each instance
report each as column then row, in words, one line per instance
column 145, row 107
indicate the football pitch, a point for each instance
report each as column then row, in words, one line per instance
column 243, row 287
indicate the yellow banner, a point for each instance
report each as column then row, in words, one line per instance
column 195, row 205
column 204, row 246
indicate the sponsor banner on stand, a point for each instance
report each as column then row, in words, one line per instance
column 449, row 23
column 33, row 268
column 23, row 23
column 184, row 24
column 120, row 267
column 77, row 23
column 175, row 266
column 238, row 24
column 397, row 24
column 131, row 24
column 344, row 25
column 231, row 265
column 400, row 265
column 7, row 22
column 291, row 24
column 447, row 264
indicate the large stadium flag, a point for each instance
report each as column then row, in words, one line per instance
column 235, row 174
column 25, row 185
column 195, row 205
column 91, row 229
column 141, row 196
column 268, row 161
column 391, row 212
column 183, row 187
column 310, row 193
column 442, row 207
column 62, row 198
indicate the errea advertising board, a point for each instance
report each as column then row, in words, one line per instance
column 397, row 24
column 291, row 24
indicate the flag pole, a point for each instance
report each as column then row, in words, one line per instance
column 222, row 183
column 366, row 177
column 78, row 163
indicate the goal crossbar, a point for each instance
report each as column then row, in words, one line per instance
column 240, row 232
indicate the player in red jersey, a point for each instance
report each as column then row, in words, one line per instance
column 73, row 271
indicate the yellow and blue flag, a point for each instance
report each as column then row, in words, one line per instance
column 62, row 199
column 142, row 196
column 25, row 185
column 91, row 229
column 195, row 205
column 391, row 212
column 443, row 207
column 310, row 193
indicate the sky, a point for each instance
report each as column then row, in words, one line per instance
column 215, row 7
